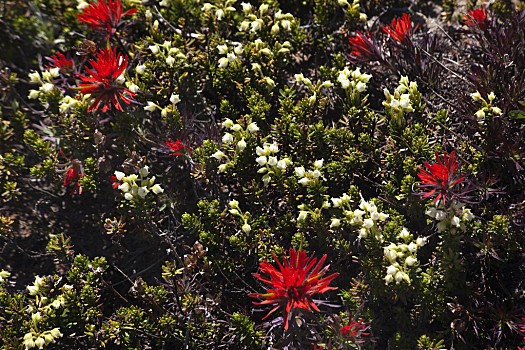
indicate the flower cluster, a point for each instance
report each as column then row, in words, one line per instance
column 477, row 18
column 105, row 83
column 281, row 21
column 270, row 164
column 293, row 284
column 441, row 177
column 61, row 62
column 487, row 108
column 364, row 49
column 168, row 53
column 235, row 210
column 309, row 177
column 235, row 140
column 178, row 147
column 401, row 29
column 401, row 256
column 451, row 218
column 3, row 275
column 135, row 188
column 400, row 102
column 46, row 82
column 366, row 217
column 354, row 83
column 104, row 16
column 354, row 330
column 219, row 10
column 37, row 285
column 230, row 57
column 39, row 340
column 315, row 89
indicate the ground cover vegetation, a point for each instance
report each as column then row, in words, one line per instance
column 317, row 174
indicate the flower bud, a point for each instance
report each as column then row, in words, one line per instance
column 246, row 228
column 241, row 145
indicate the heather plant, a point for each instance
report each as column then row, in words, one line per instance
column 264, row 174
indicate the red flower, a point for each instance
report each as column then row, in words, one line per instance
column 178, row 147
column 401, row 29
column 477, row 18
column 363, row 48
column 74, row 173
column 116, row 182
column 103, row 16
column 441, row 178
column 102, row 84
column 60, row 61
column 354, row 329
column 292, row 284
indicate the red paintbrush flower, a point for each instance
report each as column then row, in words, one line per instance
column 363, row 48
column 103, row 16
column 178, row 147
column 292, row 283
column 103, row 81
column 354, row 330
column 401, row 29
column 73, row 174
column 442, row 176
column 477, row 18
column 60, row 61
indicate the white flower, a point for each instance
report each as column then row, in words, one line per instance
column 246, row 7
column 362, row 233
column 238, row 49
column 227, row 138
column 299, row 172
column 170, row 61
column 236, row 127
column 253, row 128
column 241, row 145
column 55, row 73
column 206, row 7
column 154, row 49
column 272, row 161
column 302, row 215
column 455, row 221
column 218, row 155
column 281, row 165
column 467, row 215
column 360, row 87
column 55, row 332
column 383, row 216
column 34, row 77
column 40, row 342
column 412, row 247
column 246, row 228
column 33, row 94
column 244, row 26
column 133, row 87
column 318, row 164
column 286, row 24
column 368, row 223
column 391, row 270
column 263, row 8
column 374, row 215
column 399, row 276
column 275, row 29
column 389, row 279
column 410, row 261
column 440, row 215
column 219, row 13
column 261, row 160
column 157, row 189
column 273, row 148
column 222, row 168
column 431, row 212
column 128, row 196
column 227, row 123
column 151, row 106
column 140, row 69
column 143, row 191
column 337, row 202
column 223, row 49
column 144, row 171
column 223, row 62
column 256, row 25
column 174, row 99
column 476, row 96
column 124, row 187
column 404, row 234
column 304, row 181
column 47, row 87
column 335, row 223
